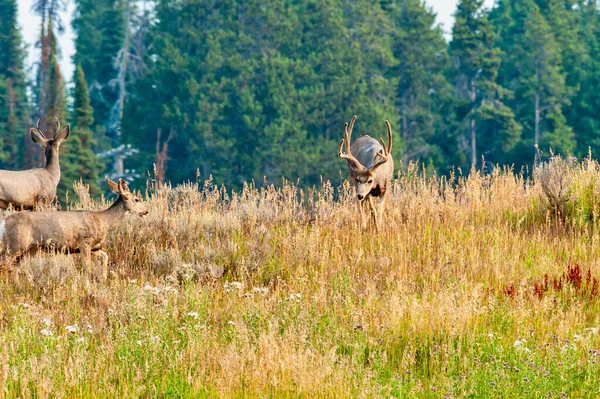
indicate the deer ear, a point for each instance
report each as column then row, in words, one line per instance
column 38, row 138
column 63, row 134
column 123, row 187
column 114, row 187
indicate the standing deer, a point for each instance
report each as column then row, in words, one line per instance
column 83, row 232
column 371, row 169
column 24, row 189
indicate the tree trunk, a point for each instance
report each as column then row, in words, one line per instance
column 404, row 134
column 472, row 127
column 537, row 119
column 472, row 132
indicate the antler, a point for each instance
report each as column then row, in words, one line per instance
column 37, row 126
column 386, row 149
column 57, row 126
column 348, row 155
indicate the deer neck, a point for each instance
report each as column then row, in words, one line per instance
column 52, row 163
column 113, row 215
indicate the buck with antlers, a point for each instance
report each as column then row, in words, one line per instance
column 84, row 232
column 24, row 189
column 371, row 169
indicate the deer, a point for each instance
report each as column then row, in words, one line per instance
column 26, row 189
column 371, row 168
column 84, row 232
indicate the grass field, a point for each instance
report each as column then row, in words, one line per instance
column 482, row 286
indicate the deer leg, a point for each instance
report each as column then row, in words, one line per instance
column 101, row 271
column 380, row 209
column 363, row 220
column 85, row 257
column 373, row 213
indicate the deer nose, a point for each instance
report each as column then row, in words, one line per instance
column 360, row 197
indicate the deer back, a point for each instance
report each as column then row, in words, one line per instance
column 24, row 189
column 365, row 149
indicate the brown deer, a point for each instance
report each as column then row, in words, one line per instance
column 83, row 232
column 24, row 189
column 371, row 169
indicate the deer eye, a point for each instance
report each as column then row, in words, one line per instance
column 370, row 180
column 137, row 200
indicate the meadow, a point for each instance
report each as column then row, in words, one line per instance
column 480, row 285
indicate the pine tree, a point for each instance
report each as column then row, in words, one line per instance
column 423, row 89
column 79, row 161
column 477, row 61
column 49, row 90
column 99, row 27
column 13, row 89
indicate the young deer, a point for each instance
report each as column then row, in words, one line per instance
column 84, row 232
column 24, row 189
column 371, row 168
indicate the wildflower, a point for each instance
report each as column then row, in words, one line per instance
column 193, row 315
column 261, row 290
column 47, row 322
column 171, row 289
column 593, row 330
column 520, row 345
column 72, row 329
column 80, row 339
column 527, row 380
column 234, row 285
column 25, row 305
column 576, row 337
column 171, row 278
column 90, row 328
column 46, row 333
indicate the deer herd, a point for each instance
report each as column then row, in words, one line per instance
column 28, row 230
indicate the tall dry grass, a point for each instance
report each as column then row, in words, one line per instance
column 275, row 292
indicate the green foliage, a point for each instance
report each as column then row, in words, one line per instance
column 78, row 159
column 253, row 90
column 13, row 88
column 99, row 27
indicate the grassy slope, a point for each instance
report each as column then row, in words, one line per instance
column 441, row 304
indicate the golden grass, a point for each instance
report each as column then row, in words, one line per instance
column 275, row 292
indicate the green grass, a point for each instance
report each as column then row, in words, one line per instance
column 262, row 295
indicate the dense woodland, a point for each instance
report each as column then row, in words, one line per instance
column 243, row 90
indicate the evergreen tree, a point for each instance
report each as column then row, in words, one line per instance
column 49, row 90
column 13, row 89
column 99, row 27
column 423, row 90
column 534, row 72
column 477, row 61
column 79, row 161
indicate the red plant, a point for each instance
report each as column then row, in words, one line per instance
column 587, row 287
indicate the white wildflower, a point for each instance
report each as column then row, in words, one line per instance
column 90, row 328
column 576, row 337
column 47, row 322
column 520, row 345
column 234, row 285
column 593, row 330
column 193, row 315
column 171, row 278
column 46, row 332
column 261, row 290
column 72, row 329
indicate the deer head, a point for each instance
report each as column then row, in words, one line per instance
column 131, row 202
column 365, row 179
column 49, row 145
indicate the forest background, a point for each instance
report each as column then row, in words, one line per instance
column 248, row 90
